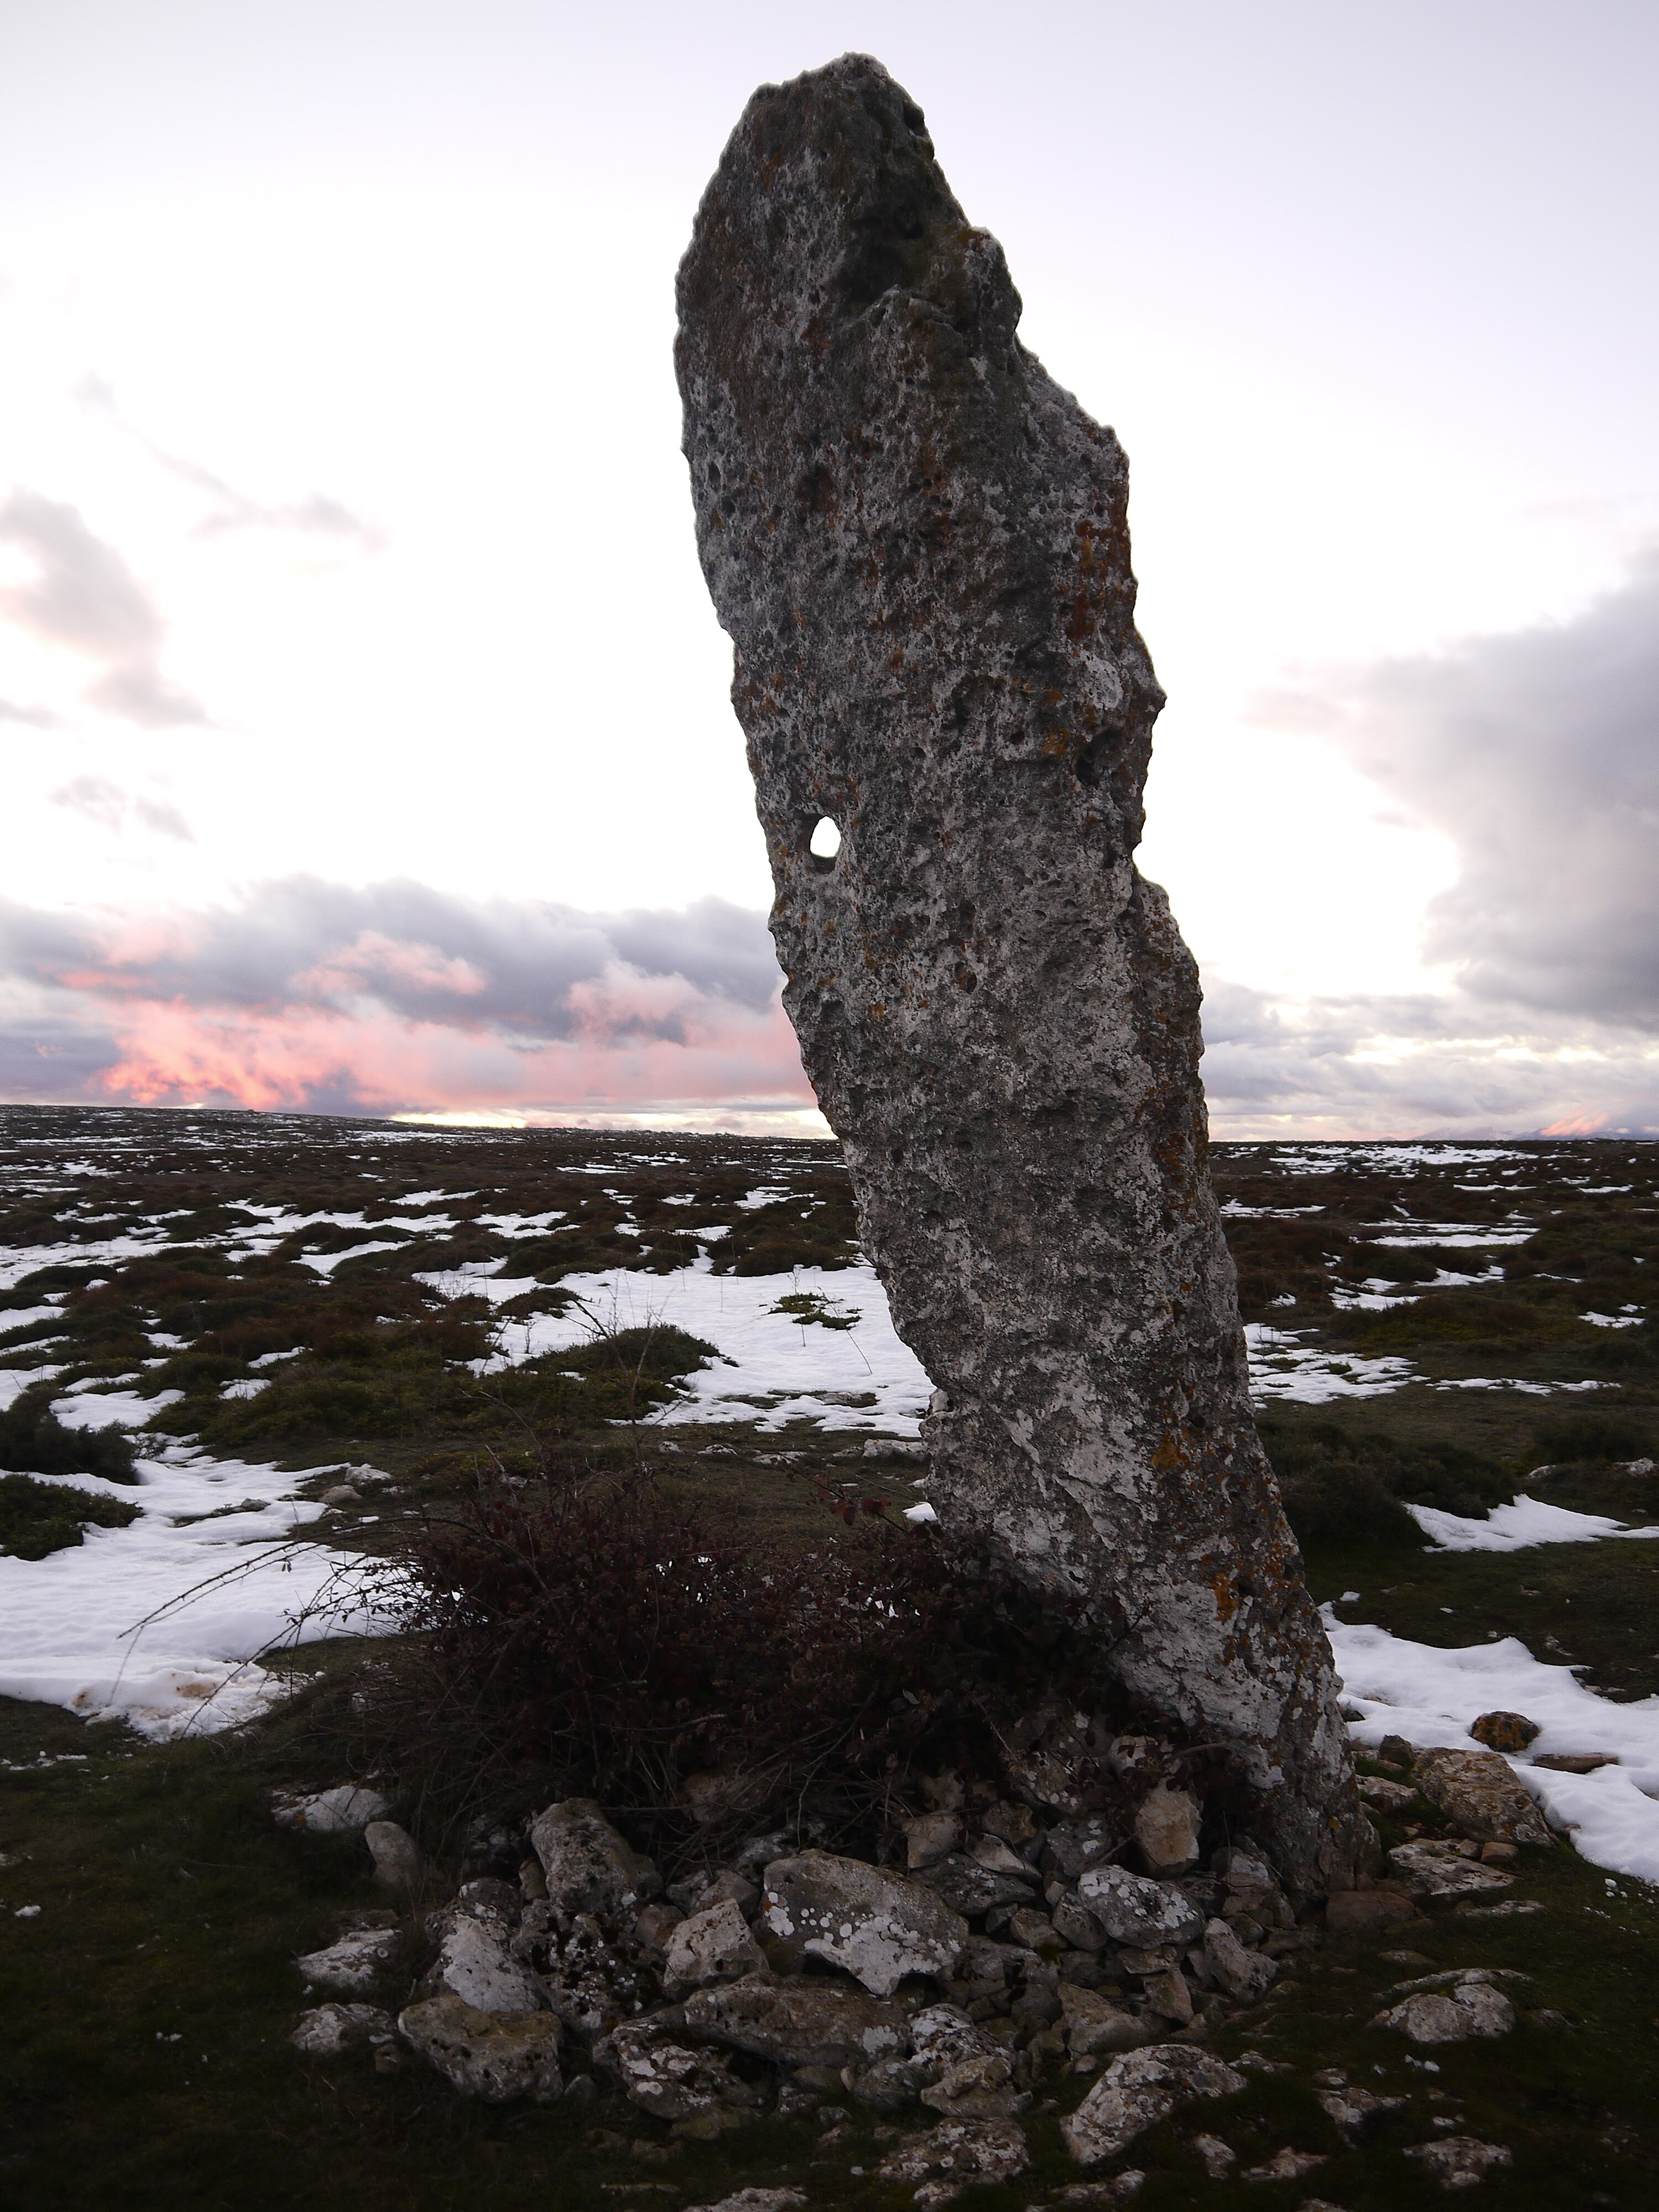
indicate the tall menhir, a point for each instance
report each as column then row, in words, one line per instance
column 919, row 545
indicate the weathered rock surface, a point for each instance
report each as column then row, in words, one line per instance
column 1132, row 1909
column 1439, row 1869
column 1245, row 1975
column 496, row 2058
column 970, row 1888
column 1137, row 2091
column 354, row 1963
column 713, row 1946
column 475, row 1964
column 1471, row 2007
column 340, row 1811
column 878, row 1926
column 1286, row 2165
column 400, row 1862
column 1460, row 2161
column 1477, row 1793
column 588, row 1867
column 800, row 2023
column 1502, row 1731
column 1353, row 2112
column 1166, row 1829
column 329, row 2030
column 1095, row 2025
column 955, row 2156
column 918, row 544
column 673, row 2079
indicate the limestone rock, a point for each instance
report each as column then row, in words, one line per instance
column 1479, row 1794
column 954, row 2156
column 995, row 1857
column 1095, row 2025
column 341, row 1812
column 329, row 2030
column 1075, row 1844
column 475, row 1964
column 1468, row 2009
column 1137, row 2091
column 1438, row 1869
column 918, row 544
column 588, row 1867
column 1388, row 1796
column 673, row 2079
column 1220, row 2158
column 756, row 2200
column 712, row 1945
column 931, row 1839
column 1166, row 1829
column 1245, row 1975
column 1075, row 1925
column 1353, row 2112
column 878, row 1926
column 1133, row 1910
column 970, row 1888
column 1504, row 1731
column 1460, row 2161
column 400, row 1862
column 800, row 2023
column 354, row 1963
column 495, row 2057
column 1286, row 2165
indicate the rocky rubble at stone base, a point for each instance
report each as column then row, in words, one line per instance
column 1009, row 1942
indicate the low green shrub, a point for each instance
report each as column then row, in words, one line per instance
column 34, row 1441
column 38, row 1518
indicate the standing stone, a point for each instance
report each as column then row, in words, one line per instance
column 918, row 544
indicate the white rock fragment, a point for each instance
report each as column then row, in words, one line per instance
column 340, row 1811
column 1137, row 2090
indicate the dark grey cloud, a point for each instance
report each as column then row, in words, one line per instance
column 1537, row 753
column 527, row 970
column 83, row 595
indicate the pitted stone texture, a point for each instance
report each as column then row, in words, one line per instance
column 714, row 1946
column 354, row 1963
column 918, row 544
column 1478, row 1793
column 878, row 1926
column 341, row 1812
column 1244, row 1974
column 588, row 1867
column 956, row 2156
column 1432, row 1869
column 1470, row 2008
column 475, row 1964
column 1139, row 2090
column 329, row 2030
column 673, row 2080
column 1095, row 2025
column 800, row 2023
column 1132, row 1909
column 1460, row 2161
column 495, row 2057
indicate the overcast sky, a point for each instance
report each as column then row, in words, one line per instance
column 363, row 714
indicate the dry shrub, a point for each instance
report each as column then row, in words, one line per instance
column 588, row 1635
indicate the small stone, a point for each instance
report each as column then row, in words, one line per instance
column 1012, row 1823
column 1220, row 2158
column 355, row 1962
column 1477, row 1792
column 1166, row 1829
column 931, row 1839
column 800, row 2023
column 942, row 1793
column 1138, row 2090
column 1118, row 2190
column 340, row 1811
column 1245, row 1975
column 331, row 2030
column 676, row 2081
column 1030, row 1930
column 495, row 2057
column 475, row 1964
column 1512, row 1908
column 1286, row 2165
column 588, row 1867
column 713, row 1945
column 1364, row 1912
column 1388, row 1796
column 971, row 1889
column 533, row 1882
column 1440, row 1869
column 1132, row 1909
column 1075, row 1925
column 1504, row 1731
column 998, row 1857
column 400, row 1862
column 756, row 2200
column 342, row 1493
column 1460, row 2161
column 954, row 2156
column 1095, row 2027
column 877, row 1926
column 1468, row 2010
column 1352, row 2112
column 653, row 1924
column 1075, row 1844
column 730, row 1882
column 1168, row 1995
column 1499, row 1855
column 1575, row 1762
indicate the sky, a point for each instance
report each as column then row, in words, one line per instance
column 364, row 739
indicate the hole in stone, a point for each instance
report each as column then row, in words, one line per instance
column 825, row 841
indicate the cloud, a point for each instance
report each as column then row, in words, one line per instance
column 323, row 996
column 82, row 595
column 317, row 515
column 106, row 803
column 1537, row 753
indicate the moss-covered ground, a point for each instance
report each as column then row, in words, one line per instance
column 148, row 2000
